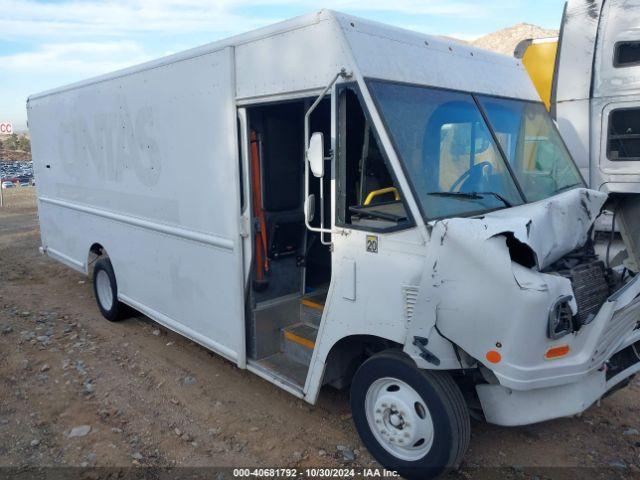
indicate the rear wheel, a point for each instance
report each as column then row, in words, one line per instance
column 412, row 421
column 105, row 289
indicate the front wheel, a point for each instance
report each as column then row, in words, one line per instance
column 412, row 421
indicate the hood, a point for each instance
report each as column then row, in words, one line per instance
column 551, row 228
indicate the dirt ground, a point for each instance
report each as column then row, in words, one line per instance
column 76, row 390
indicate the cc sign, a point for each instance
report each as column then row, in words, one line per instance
column 6, row 128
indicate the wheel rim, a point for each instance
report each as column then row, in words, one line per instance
column 103, row 289
column 399, row 419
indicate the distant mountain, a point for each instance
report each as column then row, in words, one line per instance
column 504, row 41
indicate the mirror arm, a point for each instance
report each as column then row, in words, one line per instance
column 307, row 116
column 342, row 73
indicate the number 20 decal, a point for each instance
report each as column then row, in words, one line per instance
column 372, row 243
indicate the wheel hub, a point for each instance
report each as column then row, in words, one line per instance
column 395, row 420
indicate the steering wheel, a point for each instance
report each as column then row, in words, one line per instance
column 474, row 173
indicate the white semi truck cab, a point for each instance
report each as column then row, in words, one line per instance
column 363, row 206
column 589, row 77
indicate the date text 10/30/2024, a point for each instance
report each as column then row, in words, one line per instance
column 314, row 473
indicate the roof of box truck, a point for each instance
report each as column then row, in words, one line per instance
column 333, row 40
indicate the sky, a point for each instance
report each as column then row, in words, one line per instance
column 49, row 43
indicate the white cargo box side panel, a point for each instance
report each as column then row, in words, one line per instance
column 146, row 165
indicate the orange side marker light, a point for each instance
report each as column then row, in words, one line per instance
column 557, row 352
column 493, row 356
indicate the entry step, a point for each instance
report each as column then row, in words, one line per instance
column 311, row 311
column 299, row 340
column 291, row 371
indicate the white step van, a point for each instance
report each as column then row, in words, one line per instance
column 334, row 201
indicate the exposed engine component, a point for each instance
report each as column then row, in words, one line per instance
column 591, row 281
column 590, row 288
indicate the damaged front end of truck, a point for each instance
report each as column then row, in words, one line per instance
column 523, row 297
column 512, row 293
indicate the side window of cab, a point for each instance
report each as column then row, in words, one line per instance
column 368, row 196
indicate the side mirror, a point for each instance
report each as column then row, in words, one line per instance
column 310, row 207
column 315, row 154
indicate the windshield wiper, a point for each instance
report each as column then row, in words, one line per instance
column 372, row 213
column 472, row 196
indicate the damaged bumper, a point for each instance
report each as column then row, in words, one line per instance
column 508, row 407
column 591, row 346
column 577, row 384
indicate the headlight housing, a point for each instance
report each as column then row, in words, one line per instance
column 560, row 318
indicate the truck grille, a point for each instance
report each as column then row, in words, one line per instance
column 590, row 288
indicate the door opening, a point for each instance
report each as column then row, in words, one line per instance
column 290, row 268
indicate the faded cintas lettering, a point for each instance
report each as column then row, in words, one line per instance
column 110, row 144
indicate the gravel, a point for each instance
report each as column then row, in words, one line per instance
column 79, row 431
column 347, row 454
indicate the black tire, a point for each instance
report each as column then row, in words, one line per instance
column 442, row 398
column 116, row 311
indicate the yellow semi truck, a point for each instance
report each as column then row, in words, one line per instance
column 539, row 59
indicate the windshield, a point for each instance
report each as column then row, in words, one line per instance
column 452, row 159
column 538, row 157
